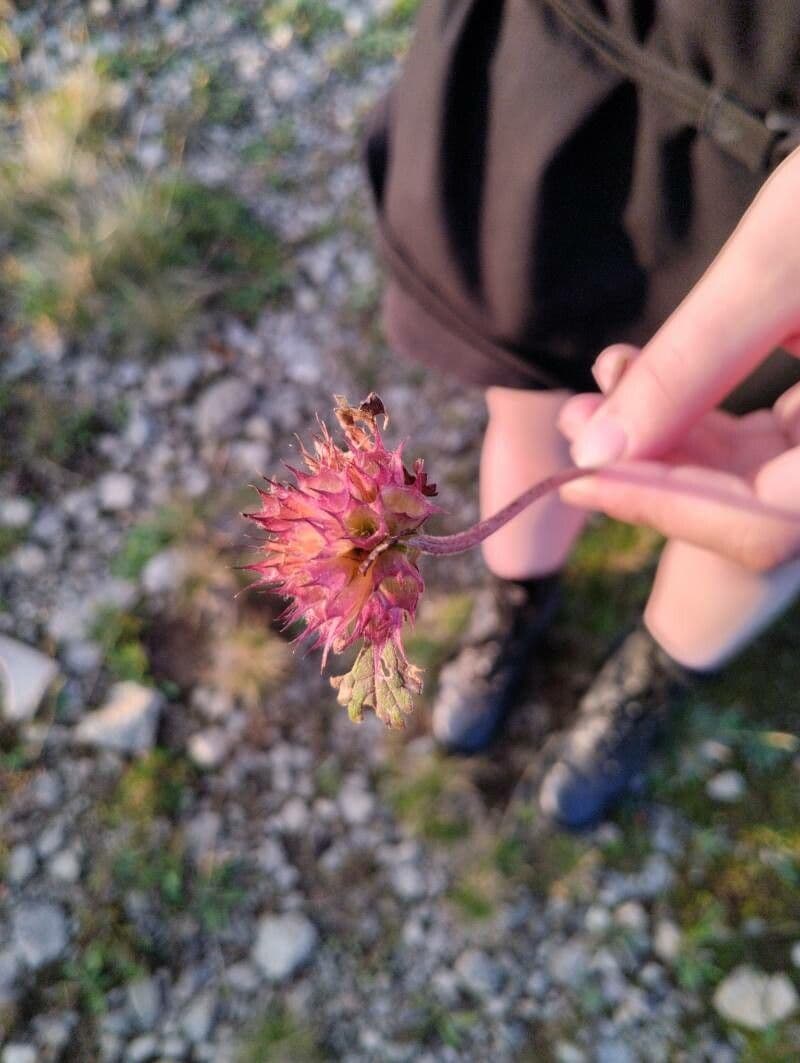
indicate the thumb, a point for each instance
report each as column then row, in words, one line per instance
column 746, row 304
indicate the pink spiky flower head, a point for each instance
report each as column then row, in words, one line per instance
column 336, row 549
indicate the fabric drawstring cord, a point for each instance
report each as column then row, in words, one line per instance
column 758, row 142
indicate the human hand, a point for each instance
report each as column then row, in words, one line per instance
column 729, row 484
column 724, row 487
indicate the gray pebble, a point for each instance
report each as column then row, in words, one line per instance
column 284, row 943
column 39, row 933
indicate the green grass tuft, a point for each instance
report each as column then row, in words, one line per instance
column 92, row 247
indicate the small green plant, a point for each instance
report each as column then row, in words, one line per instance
column 552, row 859
column 100, row 966
column 777, row 1044
column 280, row 1038
column 13, row 760
column 280, row 140
column 271, row 155
column 152, row 786
column 148, row 538
column 216, row 97
column 156, row 871
column 430, row 798
column 307, row 19
column 41, row 433
column 120, row 635
column 697, row 966
column 471, row 900
column 384, row 38
column 434, row 1023
column 216, row 894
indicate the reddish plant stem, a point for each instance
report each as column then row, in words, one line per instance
column 465, row 540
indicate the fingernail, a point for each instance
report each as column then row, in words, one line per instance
column 602, row 440
column 609, row 368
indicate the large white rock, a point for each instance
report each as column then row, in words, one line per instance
column 751, row 998
column 126, row 723
column 283, row 944
column 25, row 675
column 16, row 1052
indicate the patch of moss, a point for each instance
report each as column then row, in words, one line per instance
column 742, row 864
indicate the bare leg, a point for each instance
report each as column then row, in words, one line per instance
column 482, row 684
column 703, row 608
column 523, row 445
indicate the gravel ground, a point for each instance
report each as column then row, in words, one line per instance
column 201, row 858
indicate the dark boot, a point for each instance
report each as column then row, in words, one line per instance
column 480, row 687
column 609, row 742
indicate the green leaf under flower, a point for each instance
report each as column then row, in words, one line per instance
column 380, row 678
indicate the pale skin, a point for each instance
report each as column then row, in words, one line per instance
column 713, row 484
